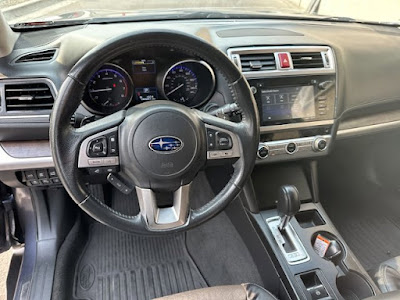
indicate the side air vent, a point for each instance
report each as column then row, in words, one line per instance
column 28, row 97
column 307, row 60
column 257, row 62
column 45, row 55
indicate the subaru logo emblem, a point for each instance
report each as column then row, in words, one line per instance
column 166, row 144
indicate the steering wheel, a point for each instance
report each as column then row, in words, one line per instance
column 140, row 133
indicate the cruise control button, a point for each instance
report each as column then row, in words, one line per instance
column 110, row 161
column 95, row 171
column 224, row 141
column 118, row 184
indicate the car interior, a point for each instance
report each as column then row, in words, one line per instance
column 200, row 155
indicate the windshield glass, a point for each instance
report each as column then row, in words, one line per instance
column 17, row 11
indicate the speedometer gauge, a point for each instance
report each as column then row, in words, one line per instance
column 109, row 89
column 189, row 82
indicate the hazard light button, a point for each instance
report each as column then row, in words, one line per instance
column 284, row 60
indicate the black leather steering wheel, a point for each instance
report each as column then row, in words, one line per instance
column 140, row 166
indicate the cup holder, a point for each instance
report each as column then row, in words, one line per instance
column 353, row 286
column 328, row 246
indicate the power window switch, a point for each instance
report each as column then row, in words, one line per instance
column 34, row 182
column 45, row 181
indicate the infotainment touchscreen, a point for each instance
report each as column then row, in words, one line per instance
column 286, row 103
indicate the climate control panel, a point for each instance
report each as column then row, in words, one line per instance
column 282, row 150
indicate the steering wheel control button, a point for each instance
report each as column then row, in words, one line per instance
column 211, row 139
column 263, row 151
column 320, row 144
column 224, row 141
column 291, row 148
column 112, row 144
column 95, row 162
column 97, row 147
column 117, row 183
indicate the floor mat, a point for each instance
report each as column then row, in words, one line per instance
column 117, row 265
column 373, row 240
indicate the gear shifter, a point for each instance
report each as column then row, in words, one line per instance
column 288, row 204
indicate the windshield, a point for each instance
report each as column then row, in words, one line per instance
column 17, row 11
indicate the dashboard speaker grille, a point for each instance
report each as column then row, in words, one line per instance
column 307, row 60
column 257, row 62
column 28, row 97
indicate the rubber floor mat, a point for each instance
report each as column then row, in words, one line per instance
column 373, row 240
column 118, row 265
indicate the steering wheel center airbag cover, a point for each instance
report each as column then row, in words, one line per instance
column 161, row 140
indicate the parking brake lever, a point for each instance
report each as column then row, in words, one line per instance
column 288, row 204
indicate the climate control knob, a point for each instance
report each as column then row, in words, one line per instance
column 320, row 144
column 263, row 151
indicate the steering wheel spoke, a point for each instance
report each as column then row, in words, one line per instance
column 164, row 218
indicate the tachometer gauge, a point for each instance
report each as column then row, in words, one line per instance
column 189, row 82
column 109, row 89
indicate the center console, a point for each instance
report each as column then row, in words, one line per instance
column 295, row 91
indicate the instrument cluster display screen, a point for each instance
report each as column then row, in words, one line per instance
column 286, row 103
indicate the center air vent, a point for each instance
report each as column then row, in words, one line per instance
column 307, row 60
column 28, row 97
column 45, row 55
column 257, row 62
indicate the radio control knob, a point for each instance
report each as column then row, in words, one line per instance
column 263, row 151
column 320, row 144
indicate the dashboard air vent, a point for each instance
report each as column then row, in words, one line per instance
column 28, row 97
column 257, row 62
column 45, row 55
column 307, row 60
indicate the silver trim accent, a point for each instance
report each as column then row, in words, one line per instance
column 84, row 161
column 9, row 163
column 93, row 111
column 164, row 218
column 221, row 154
column 328, row 69
column 369, row 129
column 305, row 149
column 24, row 113
column 208, row 67
column 274, row 128
column 293, row 258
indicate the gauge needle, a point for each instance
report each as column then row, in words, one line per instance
column 175, row 89
column 101, row 90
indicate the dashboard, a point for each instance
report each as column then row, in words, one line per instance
column 303, row 108
column 151, row 74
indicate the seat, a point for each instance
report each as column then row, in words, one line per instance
column 246, row 291
column 388, row 275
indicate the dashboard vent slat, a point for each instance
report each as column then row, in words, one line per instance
column 28, row 97
column 257, row 62
column 45, row 55
column 307, row 60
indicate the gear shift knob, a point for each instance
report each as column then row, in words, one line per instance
column 288, row 204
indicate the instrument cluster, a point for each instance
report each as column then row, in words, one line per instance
column 129, row 81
